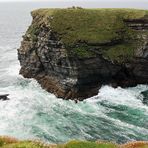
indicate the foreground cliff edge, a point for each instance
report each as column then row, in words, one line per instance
column 72, row 52
column 9, row 142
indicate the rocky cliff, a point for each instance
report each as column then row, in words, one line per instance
column 72, row 52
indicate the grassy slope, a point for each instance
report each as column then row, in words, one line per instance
column 7, row 142
column 87, row 27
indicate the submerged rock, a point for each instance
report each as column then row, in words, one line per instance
column 72, row 52
column 4, row 97
column 145, row 97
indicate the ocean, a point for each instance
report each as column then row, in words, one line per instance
column 117, row 115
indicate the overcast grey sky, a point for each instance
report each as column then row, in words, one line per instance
column 140, row 1
column 141, row 4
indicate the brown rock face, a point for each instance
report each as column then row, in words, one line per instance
column 46, row 59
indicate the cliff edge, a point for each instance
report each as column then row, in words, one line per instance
column 72, row 52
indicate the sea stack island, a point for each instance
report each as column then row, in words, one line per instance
column 73, row 52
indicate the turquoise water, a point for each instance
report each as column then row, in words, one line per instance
column 114, row 114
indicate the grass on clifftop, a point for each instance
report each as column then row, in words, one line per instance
column 89, row 25
column 7, row 142
column 76, row 26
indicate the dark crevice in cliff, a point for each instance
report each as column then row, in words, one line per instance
column 42, row 68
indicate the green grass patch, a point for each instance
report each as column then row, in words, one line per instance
column 33, row 31
column 81, row 52
column 92, row 27
column 88, row 25
column 8, row 142
column 121, row 53
column 86, row 144
column 25, row 144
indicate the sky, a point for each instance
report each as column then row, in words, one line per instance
column 142, row 1
column 140, row 4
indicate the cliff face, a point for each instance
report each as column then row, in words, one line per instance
column 72, row 61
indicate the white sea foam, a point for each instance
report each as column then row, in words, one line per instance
column 28, row 101
column 120, row 96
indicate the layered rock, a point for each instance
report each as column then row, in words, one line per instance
column 71, row 72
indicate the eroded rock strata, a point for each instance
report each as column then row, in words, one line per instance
column 77, row 69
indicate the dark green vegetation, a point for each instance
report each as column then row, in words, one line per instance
column 13, row 143
column 121, row 52
column 82, row 51
column 81, row 28
column 7, row 142
column 86, row 144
